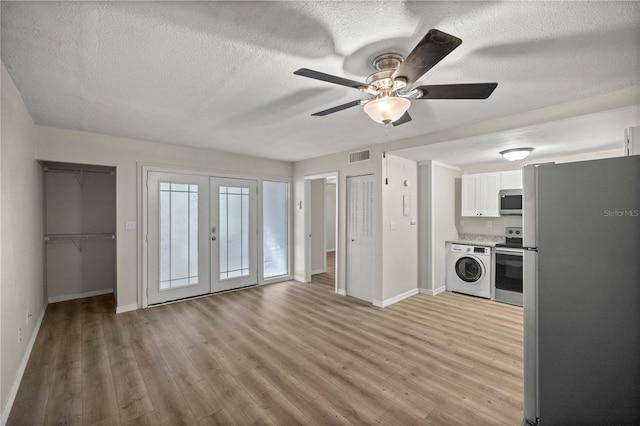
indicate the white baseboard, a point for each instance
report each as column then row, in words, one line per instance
column 434, row 292
column 318, row 271
column 66, row 297
column 395, row 299
column 299, row 278
column 126, row 308
column 23, row 365
column 342, row 292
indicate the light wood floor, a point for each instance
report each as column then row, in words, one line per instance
column 329, row 277
column 287, row 353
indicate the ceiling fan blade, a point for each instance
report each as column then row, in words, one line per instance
column 404, row 119
column 457, row 91
column 304, row 72
column 336, row 108
column 431, row 49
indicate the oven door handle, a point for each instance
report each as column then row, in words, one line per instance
column 514, row 252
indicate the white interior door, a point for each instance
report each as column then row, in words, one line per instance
column 233, row 233
column 360, row 237
column 178, row 236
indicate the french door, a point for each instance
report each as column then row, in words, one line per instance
column 201, row 233
column 234, row 233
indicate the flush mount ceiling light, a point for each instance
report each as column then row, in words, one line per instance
column 516, row 154
column 387, row 109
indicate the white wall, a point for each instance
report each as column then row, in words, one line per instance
column 54, row 144
column 337, row 163
column 395, row 251
column 446, row 202
column 330, row 216
column 439, row 189
column 399, row 231
column 21, row 277
column 318, row 254
column 424, row 231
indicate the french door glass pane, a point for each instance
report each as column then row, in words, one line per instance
column 178, row 235
column 234, row 232
column 275, row 225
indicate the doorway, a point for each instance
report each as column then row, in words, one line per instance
column 201, row 233
column 321, row 230
column 79, row 230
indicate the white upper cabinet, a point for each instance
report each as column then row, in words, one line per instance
column 469, row 200
column 511, row 179
column 480, row 195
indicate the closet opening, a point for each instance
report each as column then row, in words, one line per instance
column 79, row 230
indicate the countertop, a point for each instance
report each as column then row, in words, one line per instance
column 477, row 240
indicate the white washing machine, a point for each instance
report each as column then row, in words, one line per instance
column 469, row 270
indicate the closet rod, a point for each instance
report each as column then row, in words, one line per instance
column 72, row 237
column 75, row 171
column 77, row 239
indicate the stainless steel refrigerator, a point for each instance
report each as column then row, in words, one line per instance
column 582, row 292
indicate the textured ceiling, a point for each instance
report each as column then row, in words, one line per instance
column 219, row 75
column 588, row 133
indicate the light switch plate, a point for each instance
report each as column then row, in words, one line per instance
column 130, row 225
column 406, row 205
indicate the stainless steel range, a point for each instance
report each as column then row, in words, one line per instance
column 509, row 257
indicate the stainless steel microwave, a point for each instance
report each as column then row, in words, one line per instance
column 511, row 202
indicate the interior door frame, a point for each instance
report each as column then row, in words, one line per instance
column 143, row 209
column 307, row 224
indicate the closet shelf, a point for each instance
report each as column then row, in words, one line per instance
column 76, row 237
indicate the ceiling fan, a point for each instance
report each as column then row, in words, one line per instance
column 391, row 85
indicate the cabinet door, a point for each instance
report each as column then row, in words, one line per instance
column 511, row 179
column 489, row 194
column 469, row 196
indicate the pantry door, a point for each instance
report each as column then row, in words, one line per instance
column 178, row 236
column 233, row 233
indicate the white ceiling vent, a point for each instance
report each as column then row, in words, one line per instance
column 357, row 157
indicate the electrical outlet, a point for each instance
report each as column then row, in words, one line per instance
column 489, row 224
column 19, row 334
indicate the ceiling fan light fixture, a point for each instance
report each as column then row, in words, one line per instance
column 516, row 154
column 386, row 109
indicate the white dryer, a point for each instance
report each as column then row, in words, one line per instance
column 469, row 270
